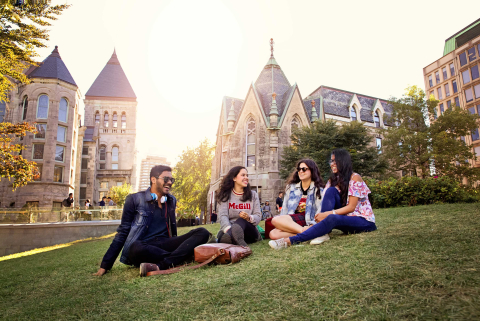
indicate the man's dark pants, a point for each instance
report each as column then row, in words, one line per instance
column 168, row 252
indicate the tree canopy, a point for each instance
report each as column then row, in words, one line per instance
column 120, row 193
column 192, row 177
column 318, row 141
column 22, row 31
column 422, row 141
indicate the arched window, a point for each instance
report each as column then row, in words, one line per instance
column 124, row 121
column 114, row 119
column 102, row 153
column 105, row 120
column 63, row 111
column 376, row 119
column 42, row 107
column 97, row 117
column 295, row 124
column 353, row 113
column 250, row 146
column 25, row 108
column 115, row 154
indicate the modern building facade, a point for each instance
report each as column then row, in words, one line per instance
column 454, row 79
column 253, row 132
column 146, row 166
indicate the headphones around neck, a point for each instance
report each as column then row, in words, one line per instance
column 163, row 199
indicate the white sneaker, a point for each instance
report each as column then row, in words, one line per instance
column 278, row 244
column 320, row 239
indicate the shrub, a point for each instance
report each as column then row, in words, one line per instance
column 411, row 191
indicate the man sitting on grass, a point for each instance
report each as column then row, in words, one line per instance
column 148, row 231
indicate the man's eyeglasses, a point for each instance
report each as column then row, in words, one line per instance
column 302, row 169
column 167, row 179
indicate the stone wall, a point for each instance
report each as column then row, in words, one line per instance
column 15, row 238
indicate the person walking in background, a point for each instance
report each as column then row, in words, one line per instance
column 267, row 211
column 345, row 205
column 238, row 209
column 213, row 217
column 110, row 201
column 302, row 201
column 102, row 202
column 279, row 202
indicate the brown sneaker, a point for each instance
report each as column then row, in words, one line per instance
column 148, row 267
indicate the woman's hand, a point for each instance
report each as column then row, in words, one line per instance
column 245, row 216
column 100, row 272
column 320, row 216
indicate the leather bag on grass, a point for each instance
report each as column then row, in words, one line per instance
column 219, row 253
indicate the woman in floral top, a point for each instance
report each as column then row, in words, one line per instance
column 345, row 205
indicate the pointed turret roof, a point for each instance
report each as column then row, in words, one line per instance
column 111, row 83
column 52, row 67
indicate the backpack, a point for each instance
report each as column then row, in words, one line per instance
column 65, row 203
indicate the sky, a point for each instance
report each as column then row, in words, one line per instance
column 183, row 56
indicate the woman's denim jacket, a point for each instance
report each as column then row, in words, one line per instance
column 137, row 216
column 292, row 197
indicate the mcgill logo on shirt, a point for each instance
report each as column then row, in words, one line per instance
column 243, row 206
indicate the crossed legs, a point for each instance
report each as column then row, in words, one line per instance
column 284, row 227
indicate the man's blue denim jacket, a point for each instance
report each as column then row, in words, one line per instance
column 137, row 216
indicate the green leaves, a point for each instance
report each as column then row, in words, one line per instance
column 120, row 193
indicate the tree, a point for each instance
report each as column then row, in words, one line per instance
column 22, row 32
column 192, row 177
column 120, row 193
column 12, row 165
column 318, row 141
column 420, row 140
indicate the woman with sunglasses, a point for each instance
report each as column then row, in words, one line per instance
column 345, row 205
column 238, row 209
column 302, row 201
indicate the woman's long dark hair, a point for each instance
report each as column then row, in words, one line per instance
column 316, row 177
column 226, row 186
column 344, row 172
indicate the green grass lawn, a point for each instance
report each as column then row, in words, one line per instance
column 422, row 263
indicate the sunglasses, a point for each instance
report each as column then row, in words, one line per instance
column 302, row 169
column 167, row 179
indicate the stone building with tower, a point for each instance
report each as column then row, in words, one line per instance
column 253, row 132
column 84, row 159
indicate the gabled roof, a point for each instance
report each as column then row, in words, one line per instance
column 52, row 67
column 111, row 83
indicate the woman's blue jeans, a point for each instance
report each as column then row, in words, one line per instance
column 344, row 223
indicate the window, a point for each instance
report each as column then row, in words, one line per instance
column 124, row 121
column 457, row 101
column 444, row 71
column 105, row 120
column 463, row 59
column 468, row 95
column 251, row 138
column 466, row 76
column 84, row 163
column 38, row 177
column 379, row 144
column 478, row 109
column 3, row 109
column 101, row 166
column 477, row 152
column 471, row 110
column 114, row 119
column 376, row 119
column 353, row 113
column 41, row 131
column 83, row 193
column 471, row 54
column 97, row 117
column 115, row 154
column 61, row 134
column 57, row 204
column 437, row 77
column 25, row 108
column 59, row 153
column 102, row 153
column 442, row 110
column 104, row 185
column 447, row 90
column 475, row 135
column 454, row 85
column 477, row 91
column 475, row 72
column 430, row 82
column 439, row 91
column 85, row 151
column 63, row 111
column 38, row 151
column 119, row 183
column 58, row 174
column 83, row 178
column 114, row 166
column 449, row 104
column 452, row 70
column 42, row 107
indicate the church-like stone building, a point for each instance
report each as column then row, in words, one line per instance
column 73, row 158
column 253, row 132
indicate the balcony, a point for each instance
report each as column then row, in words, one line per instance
column 114, row 173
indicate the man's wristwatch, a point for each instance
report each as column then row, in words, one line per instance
column 333, row 212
